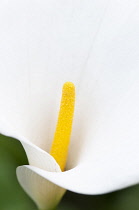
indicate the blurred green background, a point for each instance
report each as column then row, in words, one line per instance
column 12, row 197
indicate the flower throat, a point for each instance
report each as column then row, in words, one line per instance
column 60, row 145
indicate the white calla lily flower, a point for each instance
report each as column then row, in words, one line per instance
column 95, row 45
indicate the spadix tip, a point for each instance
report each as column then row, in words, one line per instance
column 68, row 86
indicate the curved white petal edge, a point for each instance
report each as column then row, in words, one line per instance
column 36, row 156
column 84, row 180
column 44, row 193
column 95, row 175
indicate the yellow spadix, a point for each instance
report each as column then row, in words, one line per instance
column 60, row 145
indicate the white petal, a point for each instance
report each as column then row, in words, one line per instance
column 108, row 114
column 44, row 43
column 110, row 73
column 45, row 194
column 91, row 177
column 110, row 126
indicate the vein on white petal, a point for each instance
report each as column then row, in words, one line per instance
column 109, row 83
column 44, row 45
column 45, row 194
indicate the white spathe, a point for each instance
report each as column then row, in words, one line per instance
column 95, row 44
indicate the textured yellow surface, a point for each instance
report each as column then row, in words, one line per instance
column 59, row 149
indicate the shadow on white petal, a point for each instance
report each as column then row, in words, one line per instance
column 36, row 156
column 41, row 159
